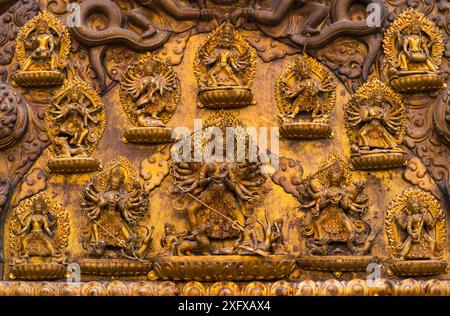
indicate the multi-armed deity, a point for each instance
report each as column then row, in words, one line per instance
column 39, row 235
column 333, row 206
column 114, row 202
column 225, row 68
column 42, row 47
column 220, row 200
column 149, row 92
column 416, row 231
column 414, row 47
column 305, row 93
column 375, row 122
column 75, row 122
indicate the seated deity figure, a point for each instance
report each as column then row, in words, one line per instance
column 42, row 44
column 415, row 50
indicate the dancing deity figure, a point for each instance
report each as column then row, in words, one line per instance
column 75, row 128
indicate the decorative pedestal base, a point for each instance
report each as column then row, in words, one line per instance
column 73, row 165
column 418, row 267
column 335, row 264
column 378, row 160
column 43, row 78
column 148, row 135
column 37, row 271
column 114, row 267
column 225, row 97
column 305, row 130
column 223, row 268
column 418, row 82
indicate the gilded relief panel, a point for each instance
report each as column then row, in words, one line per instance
column 354, row 113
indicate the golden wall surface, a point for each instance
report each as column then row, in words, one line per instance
column 398, row 247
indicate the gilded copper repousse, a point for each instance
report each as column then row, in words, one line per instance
column 39, row 237
column 375, row 123
column 75, row 121
column 336, row 237
column 114, row 202
column 305, row 95
column 413, row 46
column 219, row 200
column 225, row 69
column 416, row 231
column 163, row 66
column 42, row 49
column 149, row 92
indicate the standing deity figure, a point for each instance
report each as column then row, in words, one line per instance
column 114, row 206
column 42, row 48
column 169, row 241
column 39, row 233
column 224, row 64
column 416, row 230
column 414, row 47
column 418, row 225
column 305, row 93
column 334, row 209
column 375, row 122
column 225, row 68
column 36, row 233
column 277, row 244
